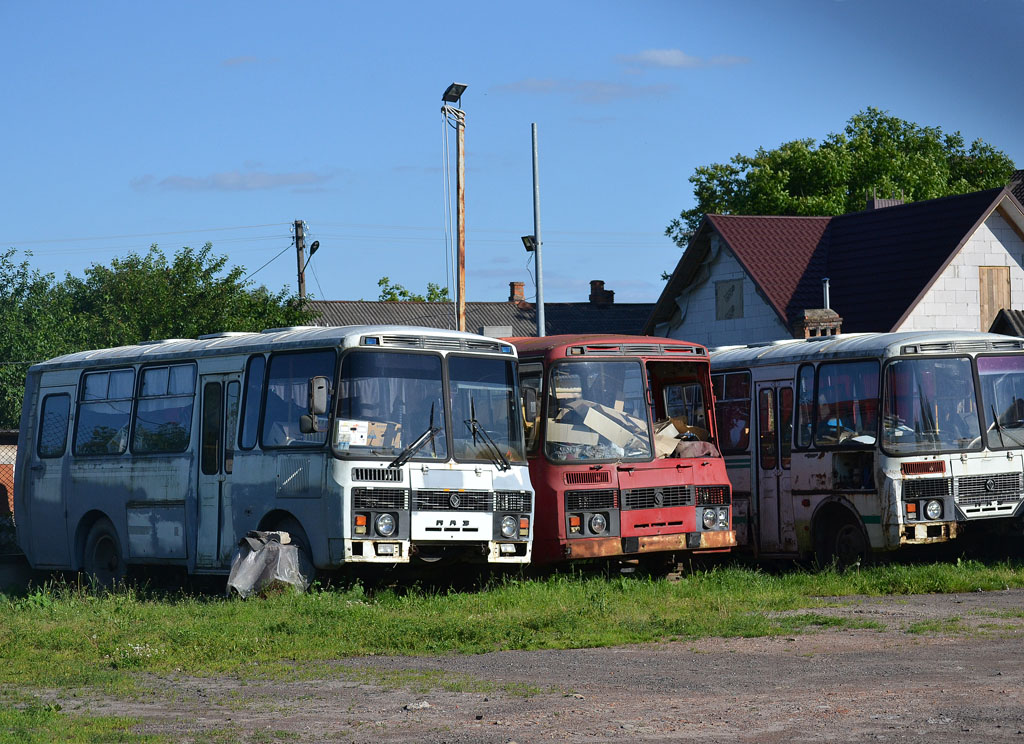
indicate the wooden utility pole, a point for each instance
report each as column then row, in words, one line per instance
column 460, row 190
column 300, row 248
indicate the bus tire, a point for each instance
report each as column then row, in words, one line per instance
column 301, row 541
column 102, row 559
column 843, row 544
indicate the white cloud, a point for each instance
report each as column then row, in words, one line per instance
column 677, row 59
column 233, row 181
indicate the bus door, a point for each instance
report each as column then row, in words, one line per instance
column 218, row 427
column 47, row 481
column 776, row 528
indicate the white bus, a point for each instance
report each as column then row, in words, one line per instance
column 840, row 446
column 368, row 444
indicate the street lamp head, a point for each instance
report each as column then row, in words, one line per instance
column 453, row 93
column 530, row 243
column 313, row 248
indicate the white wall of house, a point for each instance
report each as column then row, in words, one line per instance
column 954, row 300
column 700, row 325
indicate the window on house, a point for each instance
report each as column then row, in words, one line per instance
column 729, row 299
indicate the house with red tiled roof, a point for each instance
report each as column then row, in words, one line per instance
column 949, row 263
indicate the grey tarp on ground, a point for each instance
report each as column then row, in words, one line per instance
column 265, row 560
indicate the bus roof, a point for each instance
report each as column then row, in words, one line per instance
column 853, row 345
column 605, row 344
column 278, row 339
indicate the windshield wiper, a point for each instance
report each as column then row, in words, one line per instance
column 414, row 447
column 474, row 427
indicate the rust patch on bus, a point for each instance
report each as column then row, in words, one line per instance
column 606, row 547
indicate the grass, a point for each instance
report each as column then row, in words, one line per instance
column 65, row 636
column 45, row 723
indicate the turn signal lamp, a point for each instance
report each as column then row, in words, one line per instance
column 524, row 526
column 574, row 524
column 360, row 524
column 912, row 508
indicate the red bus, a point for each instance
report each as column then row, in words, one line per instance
column 622, row 448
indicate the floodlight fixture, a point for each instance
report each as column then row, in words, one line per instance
column 530, row 243
column 453, row 93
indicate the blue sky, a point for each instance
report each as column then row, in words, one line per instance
column 129, row 123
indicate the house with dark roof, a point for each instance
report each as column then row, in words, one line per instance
column 514, row 317
column 949, row 263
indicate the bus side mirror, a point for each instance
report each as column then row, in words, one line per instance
column 530, row 404
column 307, row 424
column 318, row 390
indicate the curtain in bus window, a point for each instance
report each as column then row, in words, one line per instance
column 163, row 416
column 386, row 400
column 288, row 398
column 847, row 404
column 805, row 406
column 732, row 412
column 104, row 413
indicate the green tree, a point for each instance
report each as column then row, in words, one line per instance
column 146, row 297
column 875, row 152
column 35, row 324
column 390, row 292
column 135, row 298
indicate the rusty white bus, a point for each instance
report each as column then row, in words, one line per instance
column 368, row 444
column 842, row 447
column 622, row 448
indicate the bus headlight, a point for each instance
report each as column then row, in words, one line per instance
column 509, row 526
column 385, row 525
column 598, row 524
column 933, row 509
column 710, row 519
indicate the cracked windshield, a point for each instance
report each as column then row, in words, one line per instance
column 386, row 401
column 597, row 411
column 1002, row 395
column 930, row 406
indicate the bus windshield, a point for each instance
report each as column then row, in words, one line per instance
column 485, row 412
column 930, row 406
column 388, row 400
column 1002, row 396
column 597, row 411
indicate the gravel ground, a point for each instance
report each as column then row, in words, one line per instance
column 963, row 680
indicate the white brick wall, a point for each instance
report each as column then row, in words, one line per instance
column 759, row 321
column 954, row 300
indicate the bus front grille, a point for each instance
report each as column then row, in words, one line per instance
column 518, row 501
column 980, row 489
column 600, row 498
column 380, row 498
column 927, row 488
column 446, row 500
column 378, row 475
column 657, row 498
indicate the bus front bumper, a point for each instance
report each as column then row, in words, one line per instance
column 604, row 547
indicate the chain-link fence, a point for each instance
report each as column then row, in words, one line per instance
column 7, row 453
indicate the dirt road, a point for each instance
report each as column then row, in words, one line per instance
column 945, row 668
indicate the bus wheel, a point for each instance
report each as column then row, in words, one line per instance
column 103, row 562
column 301, row 541
column 844, row 545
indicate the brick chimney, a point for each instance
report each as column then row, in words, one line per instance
column 515, row 292
column 818, row 322
column 599, row 295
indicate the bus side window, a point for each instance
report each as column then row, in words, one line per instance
column 230, row 424
column 531, row 379
column 53, row 425
column 251, row 403
column 805, row 406
column 104, row 412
